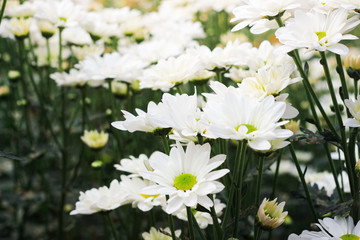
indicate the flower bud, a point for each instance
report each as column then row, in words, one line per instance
column 4, row 91
column 357, row 168
column 293, row 126
column 270, row 214
column 94, row 139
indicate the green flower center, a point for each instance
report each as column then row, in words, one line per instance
column 250, row 128
column 63, row 19
column 184, row 181
column 321, row 35
column 349, row 237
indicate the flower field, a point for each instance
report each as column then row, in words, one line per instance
column 179, row 119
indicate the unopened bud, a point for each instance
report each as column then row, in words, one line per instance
column 293, row 126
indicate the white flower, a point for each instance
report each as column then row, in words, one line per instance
column 255, row 13
column 239, row 117
column 134, row 165
column 25, row 10
column 73, row 78
column 348, row 4
column 317, row 31
column 133, row 188
column 95, row 139
column 102, row 199
column 269, row 81
column 159, row 235
column 185, row 116
column 168, row 73
column 76, row 36
column 331, row 229
column 202, row 218
column 187, row 177
column 326, row 180
column 63, row 13
column 354, row 109
column 153, row 121
column 19, row 27
column 88, row 50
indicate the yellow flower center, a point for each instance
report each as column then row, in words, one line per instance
column 321, row 35
column 184, row 181
column 349, row 237
column 147, row 196
column 250, row 128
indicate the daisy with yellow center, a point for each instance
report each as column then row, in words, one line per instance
column 337, row 228
column 186, row 177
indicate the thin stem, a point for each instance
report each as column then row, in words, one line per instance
column 113, row 231
column 302, row 178
column 258, row 234
column 165, row 144
column 339, row 119
column 190, row 221
column 355, row 88
column 171, row 222
column 198, row 229
column 216, row 223
column 2, row 10
column 60, row 50
column 258, row 187
column 341, row 73
column 276, row 174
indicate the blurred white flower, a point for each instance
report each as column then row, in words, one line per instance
column 256, row 13
column 133, row 165
column 62, row 13
column 71, row 79
column 25, row 10
column 317, row 31
column 95, row 139
column 159, row 235
column 101, row 199
column 187, row 177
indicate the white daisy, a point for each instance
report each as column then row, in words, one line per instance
column 317, row 31
column 134, row 165
column 187, row 177
column 101, row 199
column 331, row 229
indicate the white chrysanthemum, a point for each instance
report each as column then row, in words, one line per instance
column 101, row 199
column 235, row 116
column 271, row 214
column 88, row 50
column 187, row 177
column 159, row 235
column 256, row 13
column 27, row 9
column 317, row 31
column 73, row 78
column 202, row 218
column 98, row 28
column 331, row 229
column 63, row 13
column 354, row 109
column 185, row 116
column 95, row 139
column 168, row 73
column 348, row 4
column 134, row 165
column 76, row 36
column 133, row 188
column 154, row 50
column 111, row 66
column 269, row 81
column 19, row 27
column 155, row 119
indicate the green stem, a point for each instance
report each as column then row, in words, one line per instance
column 171, row 222
column 2, row 10
column 276, row 174
column 258, row 187
column 113, row 231
column 198, row 229
column 355, row 88
column 341, row 73
column 216, row 223
column 190, row 221
column 165, row 142
column 60, row 50
column 339, row 119
column 258, row 234
column 240, row 151
column 303, row 182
